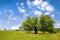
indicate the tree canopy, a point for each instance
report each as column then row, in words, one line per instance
column 47, row 23
column 44, row 23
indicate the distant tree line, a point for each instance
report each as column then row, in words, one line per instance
column 44, row 23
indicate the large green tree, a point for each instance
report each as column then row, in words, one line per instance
column 43, row 23
column 47, row 23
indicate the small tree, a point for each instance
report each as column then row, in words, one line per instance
column 4, row 28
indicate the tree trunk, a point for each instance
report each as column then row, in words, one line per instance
column 35, row 29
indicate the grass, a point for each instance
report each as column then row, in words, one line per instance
column 17, row 35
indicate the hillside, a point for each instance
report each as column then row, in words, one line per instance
column 17, row 35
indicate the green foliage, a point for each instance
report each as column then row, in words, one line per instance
column 47, row 23
column 38, row 26
column 43, row 23
column 34, row 21
column 27, row 24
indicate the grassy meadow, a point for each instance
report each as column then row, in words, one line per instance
column 17, row 35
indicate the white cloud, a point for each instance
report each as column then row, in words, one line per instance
column 52, row 15
column 0, row 13
column 5, row 12
column 36, row 12
column 40, row 4
column 33, row 3
column 21, row 10
column 49, row 8
column 37, row 2
column 17, row 4
column 29, row 4
column 42, row 8
column 10, row 16
column 8, row 22
column 1, row 21
column 1, row 27
column 22, row 4
column 15, row 18
column 38, row 7
column 57, row 25
column 16, row 27
column 26, row 14
column 8, row 13
column 44, row 4
column 47, row 13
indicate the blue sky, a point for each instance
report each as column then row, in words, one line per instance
column 14, row 12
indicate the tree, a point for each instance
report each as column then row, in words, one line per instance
column 5, row 29
column 43, row 23
column 27, row 24
column 30, row 24
column 34, row 24
column 47, row 23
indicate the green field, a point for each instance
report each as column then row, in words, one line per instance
column 17, row 35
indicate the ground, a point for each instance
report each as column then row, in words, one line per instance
column 18, row 35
